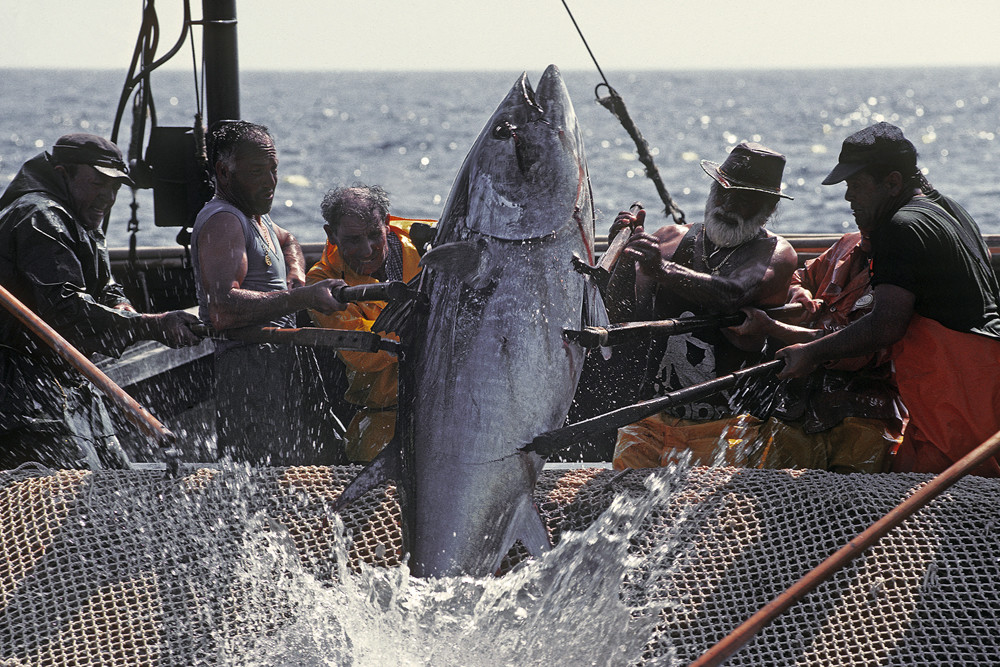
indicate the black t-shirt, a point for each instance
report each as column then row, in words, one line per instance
column 932, row 248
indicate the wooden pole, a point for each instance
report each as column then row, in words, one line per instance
column 135, row 413
column 745, row 632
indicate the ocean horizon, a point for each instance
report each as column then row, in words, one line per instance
column 409, row 131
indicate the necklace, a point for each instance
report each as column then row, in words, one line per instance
column 706, row 255
column 265, row 236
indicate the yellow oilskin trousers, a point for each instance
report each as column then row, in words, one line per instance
column 855, row 445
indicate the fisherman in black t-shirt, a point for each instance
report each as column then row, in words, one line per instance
column 936, row 301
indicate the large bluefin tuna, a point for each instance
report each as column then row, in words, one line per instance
column 487, row 365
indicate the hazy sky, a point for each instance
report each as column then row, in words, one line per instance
column 523, row 34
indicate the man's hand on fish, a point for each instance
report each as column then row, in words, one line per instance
column 627, row 219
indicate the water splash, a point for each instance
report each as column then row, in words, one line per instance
column 580, row 604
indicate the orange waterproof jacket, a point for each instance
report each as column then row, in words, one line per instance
column 839, row 277
column 372, row 376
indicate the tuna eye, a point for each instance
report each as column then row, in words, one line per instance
column 503, row 130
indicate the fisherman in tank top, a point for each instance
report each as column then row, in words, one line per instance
column 703, row 269
column 270, row 406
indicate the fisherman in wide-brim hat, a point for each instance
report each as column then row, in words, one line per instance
column 709, row 268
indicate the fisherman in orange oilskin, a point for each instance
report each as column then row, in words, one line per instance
column 846, row 416
column 935, row 304
column 365, row 245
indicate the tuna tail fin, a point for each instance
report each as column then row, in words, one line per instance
column 385, row 468
column 528, row 528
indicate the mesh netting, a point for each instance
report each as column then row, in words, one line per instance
column 133, row 568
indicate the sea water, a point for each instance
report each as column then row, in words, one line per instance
column 409, row 132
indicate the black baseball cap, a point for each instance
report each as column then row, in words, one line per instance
column 90, row 149
column 882, row 144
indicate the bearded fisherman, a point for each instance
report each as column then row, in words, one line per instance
column 365, row 245
column 936, row 297
column 712, row 268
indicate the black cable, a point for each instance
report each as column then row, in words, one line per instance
column 584, row 39
column 149, row 20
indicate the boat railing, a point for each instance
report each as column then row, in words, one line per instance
column 807, row 246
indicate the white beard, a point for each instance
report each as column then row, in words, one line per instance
column 728, row 230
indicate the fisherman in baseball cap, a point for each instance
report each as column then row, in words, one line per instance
column 55, row 260
column 935, row 305
column 880, row 144
column 92, row 150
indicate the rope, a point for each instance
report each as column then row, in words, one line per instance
column 616, row 105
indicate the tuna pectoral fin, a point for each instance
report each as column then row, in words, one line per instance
column 528, row 528
column 467, row 261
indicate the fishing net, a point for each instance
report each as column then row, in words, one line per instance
column 136, row 568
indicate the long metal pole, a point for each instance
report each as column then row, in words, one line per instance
column 135, row 413
column 222, row 69
column 550, row 442
column 745, row 632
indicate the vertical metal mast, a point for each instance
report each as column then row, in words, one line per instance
column 222, row 74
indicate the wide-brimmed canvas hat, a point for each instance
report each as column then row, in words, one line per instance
column 749, row 166
column 882, row 144
column 90, row 149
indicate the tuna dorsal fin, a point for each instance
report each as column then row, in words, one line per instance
column 595, row 313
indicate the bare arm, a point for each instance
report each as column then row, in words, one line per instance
column 725, row 294
column 758, row 323
column 223, row 261
column 295, row 261
column 885, row 325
